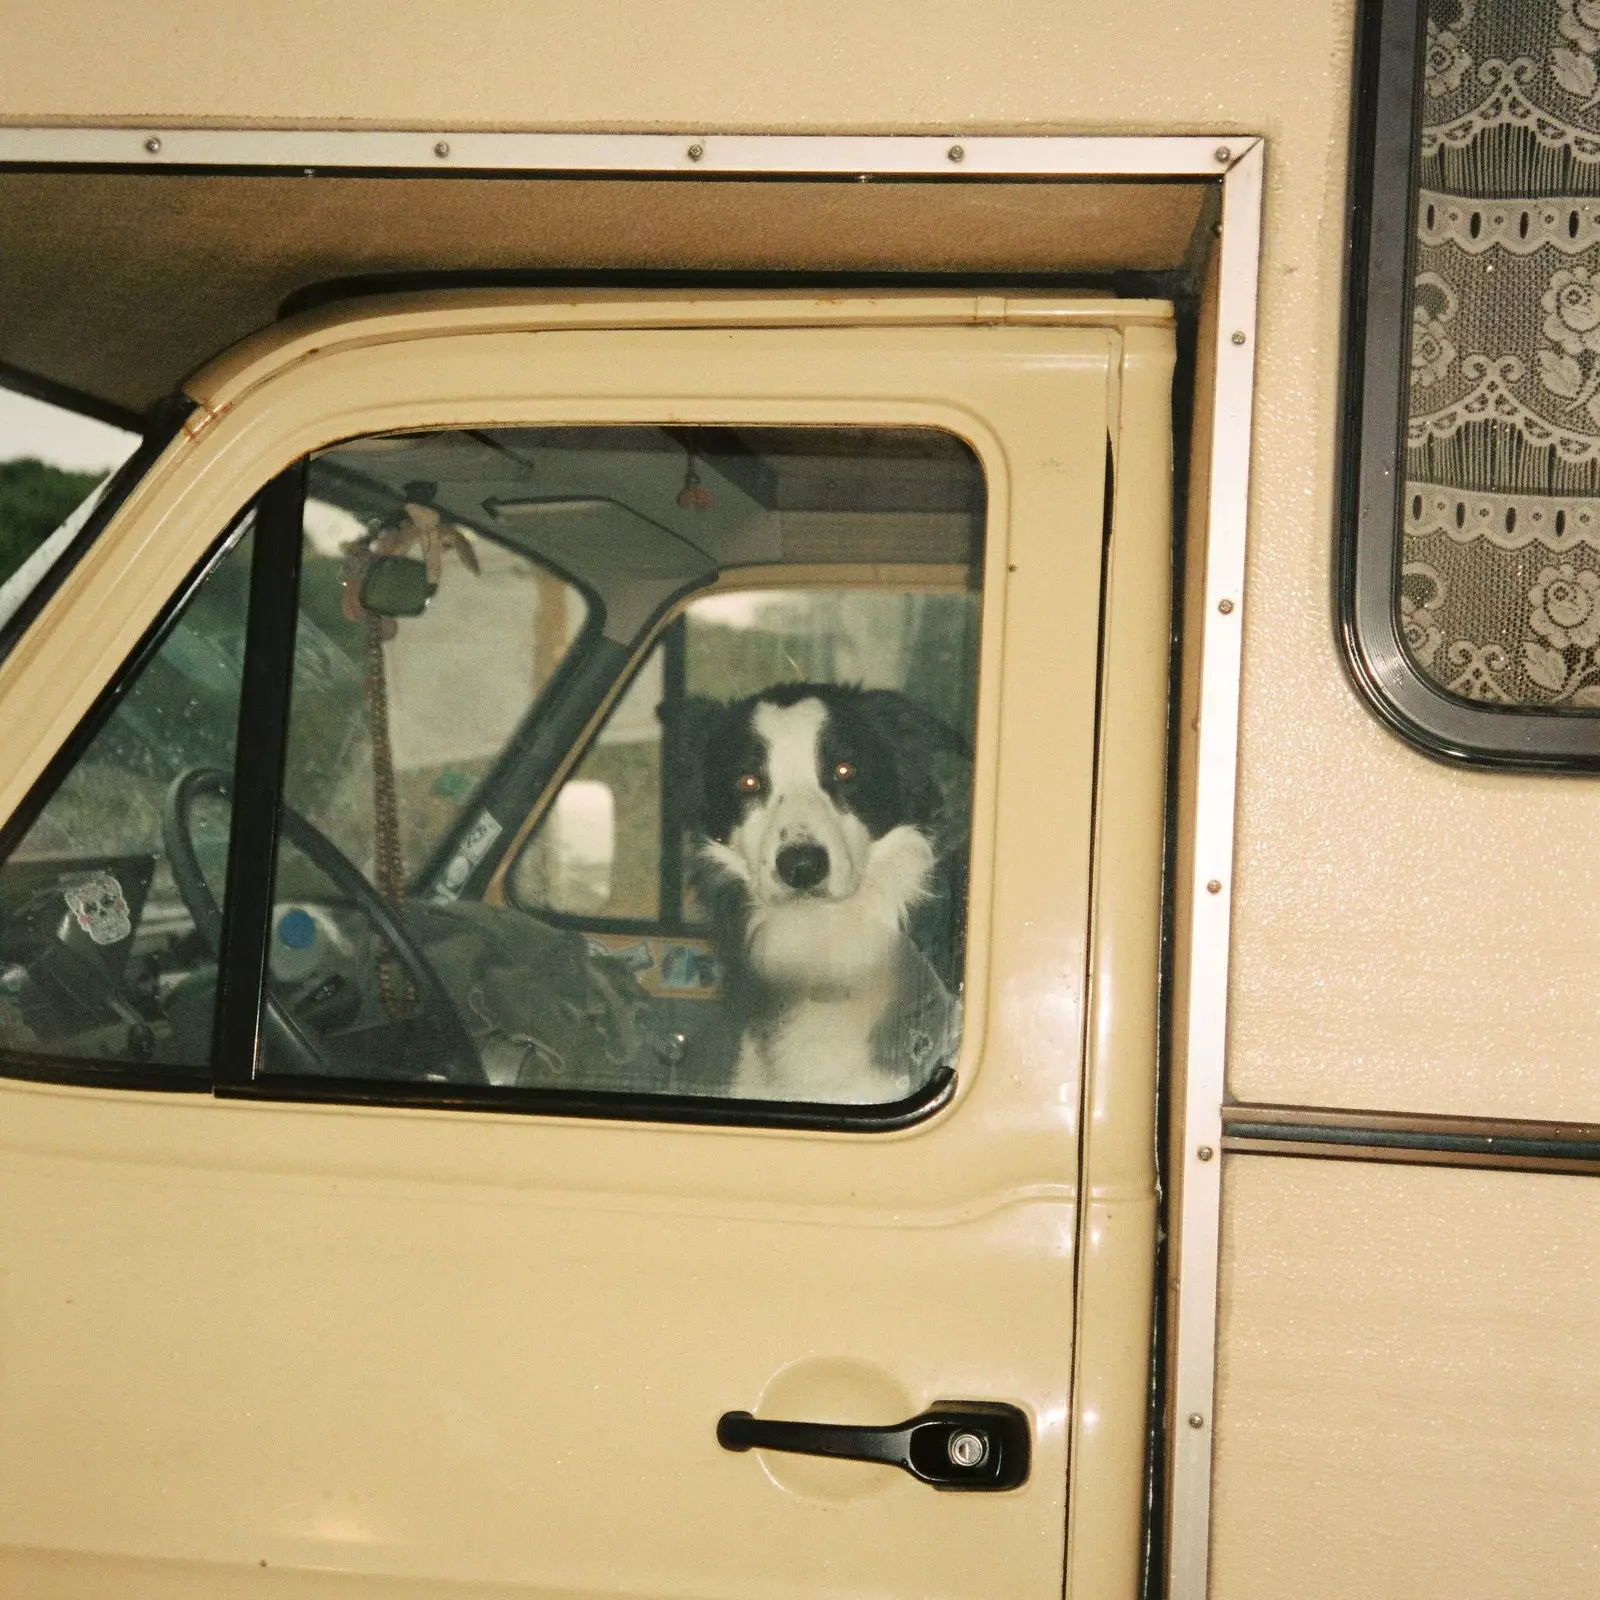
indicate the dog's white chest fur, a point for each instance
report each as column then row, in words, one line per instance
column 820, row 1049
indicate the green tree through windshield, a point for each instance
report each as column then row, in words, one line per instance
column 35, row 499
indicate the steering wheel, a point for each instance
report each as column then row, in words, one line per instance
column 460, row 1055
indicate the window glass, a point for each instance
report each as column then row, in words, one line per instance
column 1470, row 547
column 418, row 706
column 751, row 884
column 597, row 854
column 101, row 958
column 1499, row 592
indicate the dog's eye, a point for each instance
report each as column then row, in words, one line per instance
column 844, row 771
column 747, row 783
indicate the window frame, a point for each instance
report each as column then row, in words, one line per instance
column 1386, row 106
column 260, row 768
column 265, row 707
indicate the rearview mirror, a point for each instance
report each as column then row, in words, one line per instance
column 396, row 586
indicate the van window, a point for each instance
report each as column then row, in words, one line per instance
column 102, row 959
column 572, row 809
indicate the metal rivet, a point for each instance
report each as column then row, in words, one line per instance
column 1225, row 607
column 1205, row 1152
column 1214, row 886
column 442, row 149
column 1238, row 336
column 1196, row 1420
column 695, row 151
column 1223, row 153
column 956, row 154
column 967, row 1449
column 153, row 145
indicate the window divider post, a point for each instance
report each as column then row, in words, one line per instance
column 262, row 748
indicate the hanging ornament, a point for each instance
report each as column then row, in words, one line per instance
column 420, row 528
column 693, row 496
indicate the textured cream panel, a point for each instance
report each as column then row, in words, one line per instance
column 787, row 65
column 1406, row 1403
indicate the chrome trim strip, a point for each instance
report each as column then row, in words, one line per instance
column 1416, row 1124
column 958, row 156
column 1205, row 940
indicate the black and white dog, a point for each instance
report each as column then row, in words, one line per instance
column 832, row 828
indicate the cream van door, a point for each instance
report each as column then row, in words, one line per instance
column 484, row 1278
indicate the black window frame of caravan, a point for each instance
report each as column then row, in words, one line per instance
column 1385, row 113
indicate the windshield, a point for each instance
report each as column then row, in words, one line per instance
column 420, row 707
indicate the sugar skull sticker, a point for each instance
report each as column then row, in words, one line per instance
column 98, row 907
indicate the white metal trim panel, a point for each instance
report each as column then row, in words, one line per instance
column 755, row 155
column 1206, row 940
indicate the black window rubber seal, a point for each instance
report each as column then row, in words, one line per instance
column 260, row 756
column 706, row 1111
column 1386, row 111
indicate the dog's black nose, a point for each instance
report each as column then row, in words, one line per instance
column 802, row 866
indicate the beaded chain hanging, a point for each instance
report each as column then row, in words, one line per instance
column 420, row 527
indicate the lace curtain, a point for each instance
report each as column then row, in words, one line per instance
column 1500, row 578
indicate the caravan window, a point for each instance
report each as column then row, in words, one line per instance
column 1471, row 557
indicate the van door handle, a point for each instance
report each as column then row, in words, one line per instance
column 955, row 1444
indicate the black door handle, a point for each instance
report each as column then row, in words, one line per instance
column 955, row 1444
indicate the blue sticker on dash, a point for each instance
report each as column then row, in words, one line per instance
column 686, row 966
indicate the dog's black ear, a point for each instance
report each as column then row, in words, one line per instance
column 934, row 757
column 688, row 728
